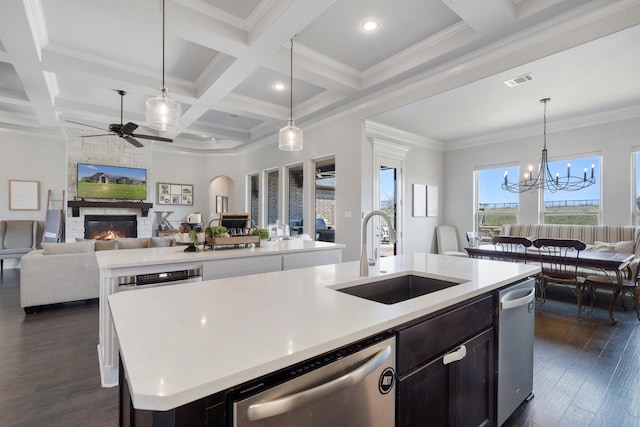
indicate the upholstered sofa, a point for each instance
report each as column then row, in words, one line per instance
column 65, row 272
column 18, row 238
column 597, row 237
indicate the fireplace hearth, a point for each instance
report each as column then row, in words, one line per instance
column 105, row 227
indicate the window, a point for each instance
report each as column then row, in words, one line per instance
column 495, row 206
column 636, row 201
column 325, row 199
column 574, row 207
column 254, row 198
column 273, row 199
column 295, row 199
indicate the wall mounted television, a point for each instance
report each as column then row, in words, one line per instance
column 111, row 182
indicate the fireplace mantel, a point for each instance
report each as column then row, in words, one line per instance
column 75, row 206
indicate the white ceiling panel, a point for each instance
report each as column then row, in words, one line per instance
column 62, row 60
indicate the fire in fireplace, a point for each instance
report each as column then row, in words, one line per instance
column 105, row 227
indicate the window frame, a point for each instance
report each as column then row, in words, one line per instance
column 476, row 196
column 575, row 212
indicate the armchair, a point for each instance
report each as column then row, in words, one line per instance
column 18, row 238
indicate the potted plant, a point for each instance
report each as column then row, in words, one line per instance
column 193, row 246
column 262, row 232
column 215, row 231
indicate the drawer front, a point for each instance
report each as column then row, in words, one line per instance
column 423, row 341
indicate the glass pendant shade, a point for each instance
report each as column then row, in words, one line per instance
column 290, row 137
column 162, row 113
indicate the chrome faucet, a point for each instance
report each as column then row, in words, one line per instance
column 364, row 259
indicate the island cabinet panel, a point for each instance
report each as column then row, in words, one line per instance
column 233, row 267
column 302, row 260
column 446, row 368
column 210, row 411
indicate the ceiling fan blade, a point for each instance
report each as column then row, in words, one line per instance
column 128, row 128
column 153, row 137
column 92, row 136
column 83, row 124
column 132, row 141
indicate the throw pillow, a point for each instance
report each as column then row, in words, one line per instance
column 106, row 245
column 101, row 245
column 84, row 247
column 624, row 247
column 603, row 246
column 160, row 242
column 133, row 243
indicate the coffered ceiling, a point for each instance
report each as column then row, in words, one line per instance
column 62, row 60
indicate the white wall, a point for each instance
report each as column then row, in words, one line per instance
column 345, row 138
column 31, row 158
column 422, row 166
column 340, row 137
column 180, row 168
column 614, row 141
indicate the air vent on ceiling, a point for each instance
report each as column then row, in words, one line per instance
column 516, row 81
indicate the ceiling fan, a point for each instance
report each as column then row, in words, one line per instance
column 123, row 130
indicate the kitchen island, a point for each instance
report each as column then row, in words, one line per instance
column 118, row 269
column 180, row 344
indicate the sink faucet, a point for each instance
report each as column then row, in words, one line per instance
column 364, row 259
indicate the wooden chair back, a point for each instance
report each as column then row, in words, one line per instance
column 559, row 259
column 514, row 249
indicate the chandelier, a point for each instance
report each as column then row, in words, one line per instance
column 545, row 180
column 290, row 136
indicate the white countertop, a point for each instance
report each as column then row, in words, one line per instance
column 152, row 256
column 183, row 342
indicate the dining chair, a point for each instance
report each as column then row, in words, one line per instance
column 609, row 280
column 447, row 238
column 513, row 248
column 474, row 238
column 559, row 264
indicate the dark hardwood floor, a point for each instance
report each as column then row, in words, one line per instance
column 49, row 364
column 586, row 371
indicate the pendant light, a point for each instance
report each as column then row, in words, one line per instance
column 290, row 138
column 545, row 180
column 162, row 113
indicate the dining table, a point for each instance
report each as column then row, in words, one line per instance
column 615, row 262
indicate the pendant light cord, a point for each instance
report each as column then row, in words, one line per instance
column 545, row 122
column 291, row 83
column 163, row 18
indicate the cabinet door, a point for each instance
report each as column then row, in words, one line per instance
column 456, row 394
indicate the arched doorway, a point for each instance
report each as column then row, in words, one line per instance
column 221, row 196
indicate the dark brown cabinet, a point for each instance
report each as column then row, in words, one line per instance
column 451, row 384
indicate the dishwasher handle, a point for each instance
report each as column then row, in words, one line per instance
column 288, row 403
column 506, row 303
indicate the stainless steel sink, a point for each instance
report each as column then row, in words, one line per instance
column 397, row 289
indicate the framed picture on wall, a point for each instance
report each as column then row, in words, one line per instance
column 24, row 195
column 222, row 204
column 175, row 194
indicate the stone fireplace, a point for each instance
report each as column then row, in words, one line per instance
column 105, row 227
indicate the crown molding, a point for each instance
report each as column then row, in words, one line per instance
column 588, row 120
column 378, row 130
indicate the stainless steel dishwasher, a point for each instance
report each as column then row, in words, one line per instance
column 353, row 386
column 515, row 346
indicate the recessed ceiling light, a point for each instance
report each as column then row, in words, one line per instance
column 370, row 25
column 232, row 116
column 279, row 86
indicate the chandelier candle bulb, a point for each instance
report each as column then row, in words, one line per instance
column 506, row 173
column 557, row 178
column 585, row 174
column 593, row 166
